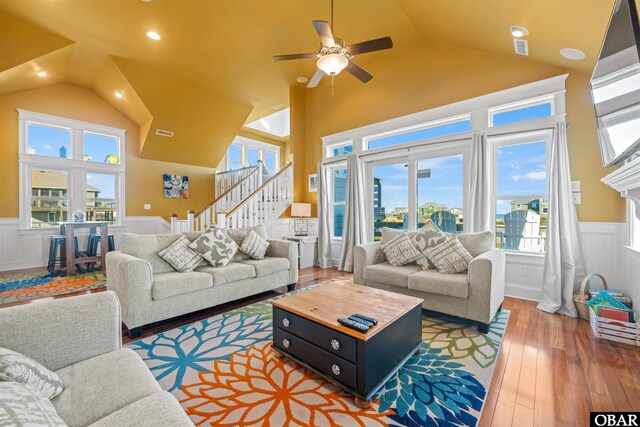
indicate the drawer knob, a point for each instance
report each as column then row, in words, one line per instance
column 335, row 344
column 286, row 343
column 285, row 322
column 335, row 369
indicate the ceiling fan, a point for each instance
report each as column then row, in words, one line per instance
column 334, row 55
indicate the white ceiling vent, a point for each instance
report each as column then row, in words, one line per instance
column 164, row 133
column 521, row 47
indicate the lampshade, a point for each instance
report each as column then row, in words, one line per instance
column 332, row 63
column 301, row 209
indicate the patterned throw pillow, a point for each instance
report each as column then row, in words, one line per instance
column 181, row 256
column 215, row 246
column 428, row 236
column 449, row 257
column 24, row 405
column 22, row 369
column 254, row 245
column 400, row 250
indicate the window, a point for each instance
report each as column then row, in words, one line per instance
column 390, row 196
column 520, row 112
column 420, row 134
column 244, row 152
column 67, row 165
column 439, row 192
column 339, row 199
column 520, row 193
column 340, row 149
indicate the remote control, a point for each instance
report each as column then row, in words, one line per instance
column 360, row 327
column 368, row 319
column 359, row 320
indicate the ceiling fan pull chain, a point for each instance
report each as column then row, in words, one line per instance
column 332, row 94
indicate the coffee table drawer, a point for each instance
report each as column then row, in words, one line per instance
column 325, row 362
column 326, row 338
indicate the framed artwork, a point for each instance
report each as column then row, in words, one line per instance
column 176, row 186
column 313, row 183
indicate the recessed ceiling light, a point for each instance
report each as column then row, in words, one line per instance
column 42, row 73
column 118, row 94
column 302, row 79
column 518, row 31
column 572, row 54
column 153, row 35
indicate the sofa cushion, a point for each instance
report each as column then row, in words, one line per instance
column 96, row 387
column 229, row 273
column 400, row 250
column 239, row 234
column 477, row 243
column 215, row 246
column 181, row 256
column 147, row 246
column 159, row 409
column 268, row 265
column 254, row 245
column 428, row 236
column 449, row 257
column 166, row 285
column 432, row 281
column 20, row 368
column 23, row 405
column 387, row 234
column 390, row 275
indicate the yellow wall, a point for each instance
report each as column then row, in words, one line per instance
column 427, row 75
column 143, row 177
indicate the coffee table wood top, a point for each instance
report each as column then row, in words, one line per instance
column 326, row 303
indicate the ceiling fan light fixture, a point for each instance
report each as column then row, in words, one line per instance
column 332, row 63
column 518, row 31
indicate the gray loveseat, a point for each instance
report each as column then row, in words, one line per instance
column 80, row 338
column 475, row 295
column 150, row 290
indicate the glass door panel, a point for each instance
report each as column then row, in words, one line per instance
column 440, row 193
column 390, row 197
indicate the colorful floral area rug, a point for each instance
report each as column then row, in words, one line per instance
column 224, row 373
column 24, row 286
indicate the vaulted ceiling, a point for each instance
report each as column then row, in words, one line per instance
column 213, row 63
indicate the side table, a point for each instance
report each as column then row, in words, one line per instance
column 307, row 249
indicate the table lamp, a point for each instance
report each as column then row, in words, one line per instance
column 300, row 225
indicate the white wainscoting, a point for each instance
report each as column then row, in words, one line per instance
column 631, row 281
column 30, row 248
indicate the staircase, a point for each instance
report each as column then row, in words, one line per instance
column 245, row 200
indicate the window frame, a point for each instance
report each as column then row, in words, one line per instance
column 496, row 142
column 328, row 149
column 76, row 168
column 332, row 203
column 246, row 144
column 526, row 103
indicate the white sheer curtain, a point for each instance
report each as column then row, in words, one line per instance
column 477, row 217
column 355, row 223
column 324, row 227
column 563, row 263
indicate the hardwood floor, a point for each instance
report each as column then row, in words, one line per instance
column 550, row 371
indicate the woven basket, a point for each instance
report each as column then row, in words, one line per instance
column 580, row 298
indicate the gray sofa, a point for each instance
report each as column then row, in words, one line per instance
column 475, row 295
column 80, row 338
column 150, row 290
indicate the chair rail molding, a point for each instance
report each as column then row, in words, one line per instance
column 626, row 180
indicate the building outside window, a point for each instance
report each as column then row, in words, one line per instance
column 68, row 165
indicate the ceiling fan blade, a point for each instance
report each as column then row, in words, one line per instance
column 324, row 32
column 315, row 79
column 370, row 46
column 358, row 72
column 294, row 56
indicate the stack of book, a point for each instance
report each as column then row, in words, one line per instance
column 615, row 293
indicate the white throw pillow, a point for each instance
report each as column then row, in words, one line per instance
column 24, row 405
column 449, row 257
column 181, row 256
column 22, row 369
column 254, row 245
column 429, row 236
column 215, row 246
column 400, row 250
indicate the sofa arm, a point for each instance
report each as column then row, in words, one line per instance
column 61, row 332
column 132, row 279
column 363, row 256
column 285, row 249
column 486, row 284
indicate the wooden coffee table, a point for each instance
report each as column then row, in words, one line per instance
column 305, row 328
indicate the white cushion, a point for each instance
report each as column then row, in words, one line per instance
column 449, row 257
column 20, row 368
column 159, row 409
column 215, row 246
column 229, row 273
column 180, row 255
column 400, row 250
column 166, row 285
column 428, row 236
column 254, row 245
